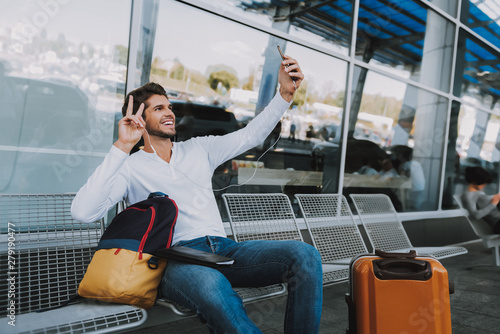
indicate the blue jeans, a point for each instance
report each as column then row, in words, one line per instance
column 209, row 291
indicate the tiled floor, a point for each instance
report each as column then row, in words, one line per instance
column 475, row 305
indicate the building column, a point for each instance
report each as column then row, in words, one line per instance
column 272, row 63
column 431, row 109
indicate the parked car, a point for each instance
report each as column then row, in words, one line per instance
column 196, row 119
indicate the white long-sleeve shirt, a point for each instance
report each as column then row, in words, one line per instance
column 187, row 179
column 480, row 206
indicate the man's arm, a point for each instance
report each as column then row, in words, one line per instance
column 470, row 202
column 226, row 147
column 109, row 182
column 104, row 188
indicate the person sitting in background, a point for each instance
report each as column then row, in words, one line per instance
column 388, row 171
column 479, row 204
column 413, row 169
column 366, row 169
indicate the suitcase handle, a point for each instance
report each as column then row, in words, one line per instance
column 402, row 269
column 388, row 255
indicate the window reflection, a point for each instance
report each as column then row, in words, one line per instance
column 482, row 16
column 449, row 6
column 326, row 24
column 253, row 10
column 477, row 72
column 223, row 89
column 473, row 142
column 62, row 75
column 395, row 139
column 407, row 39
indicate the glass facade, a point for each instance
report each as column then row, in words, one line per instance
column 62, row 77
column 399, row 96
column 408, row 39
column 395, row 138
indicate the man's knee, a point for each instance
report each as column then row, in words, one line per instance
column 306, row 258
column 306, row 252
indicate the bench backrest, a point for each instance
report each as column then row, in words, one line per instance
column 44, row 252
column 261, row 217
column 331, row 225
column 479, row 226
column 381, row 222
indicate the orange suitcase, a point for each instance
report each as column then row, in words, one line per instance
column 394, row 293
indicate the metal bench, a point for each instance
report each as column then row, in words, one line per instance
column 248, row 295
column 385, row 230
column 483, row 230
column 45, row 254
column 332, row 227
column 271, row 217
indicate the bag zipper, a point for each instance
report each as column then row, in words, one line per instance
column 173, row 224
column 145, row 236
column 150, row 227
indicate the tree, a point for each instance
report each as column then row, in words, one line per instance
column 177, row 71
column 300, row 95
column 249, row 83
column 228, row 80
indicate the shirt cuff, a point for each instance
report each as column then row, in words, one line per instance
column 115, row 151
column 279, row 103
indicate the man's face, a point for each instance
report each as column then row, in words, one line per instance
column 160, row 120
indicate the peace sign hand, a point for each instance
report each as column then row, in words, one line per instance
column 130, row 128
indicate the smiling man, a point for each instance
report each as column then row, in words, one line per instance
column 184, row 171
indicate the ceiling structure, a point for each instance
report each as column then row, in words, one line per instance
column 392, row 32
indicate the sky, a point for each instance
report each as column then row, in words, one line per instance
column 73, row 18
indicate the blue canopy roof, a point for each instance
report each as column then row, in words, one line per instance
column 392, row 31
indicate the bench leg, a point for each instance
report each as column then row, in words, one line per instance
column 496, row 256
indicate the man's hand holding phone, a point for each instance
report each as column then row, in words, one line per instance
column 290, row 76
column 130, row 128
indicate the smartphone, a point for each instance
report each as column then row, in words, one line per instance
column 283, row 58
column 281, row 53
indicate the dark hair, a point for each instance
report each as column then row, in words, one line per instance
column 477, row 175
column 141, row 94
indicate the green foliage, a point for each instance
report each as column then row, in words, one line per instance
column 177, row 71
column 228, row 80
column 197, row 78
column 381, row 105
column 300, row 95
column 249, row 83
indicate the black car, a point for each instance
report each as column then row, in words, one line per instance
column 196, row 119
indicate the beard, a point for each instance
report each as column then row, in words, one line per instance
column 159, row 133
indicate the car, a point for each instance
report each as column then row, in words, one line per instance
column 359, row 152
column 197, row 119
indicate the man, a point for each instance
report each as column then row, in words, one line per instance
column 184, row 171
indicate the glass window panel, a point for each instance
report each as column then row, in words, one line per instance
column 62, row 77
column 328, row 24
column 449, row 6
column 395, row 141
column 474, row 140
column 237, row 75
column 483, row 17
column 257, row 11
column 477, row 72
column 408, row 39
